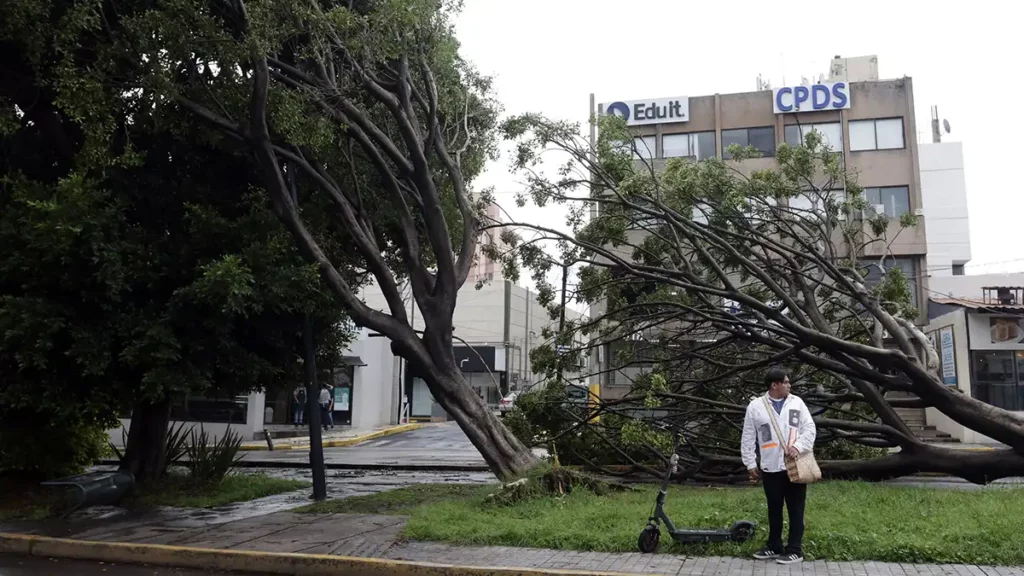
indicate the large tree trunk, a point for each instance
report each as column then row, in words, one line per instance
column 979, row 467
column 145, row 455
column 505, row 455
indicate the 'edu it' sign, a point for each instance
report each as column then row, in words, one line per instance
column 655, row 111
column 835, row 96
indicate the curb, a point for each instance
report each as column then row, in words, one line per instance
column 249, row 561
column 341, row 442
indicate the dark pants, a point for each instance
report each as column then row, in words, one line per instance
column 779, row 490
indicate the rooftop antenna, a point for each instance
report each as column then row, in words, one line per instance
column 936, row 131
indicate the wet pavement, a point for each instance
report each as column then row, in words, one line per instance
column 441, row 445
column 340, row 484
column 29, row 566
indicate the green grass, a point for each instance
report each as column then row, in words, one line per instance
column 180, row 491
column 400, row 501
column 845, row 521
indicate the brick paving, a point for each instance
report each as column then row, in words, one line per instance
column 378, row 537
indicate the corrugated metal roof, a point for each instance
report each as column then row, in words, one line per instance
column 975, row 304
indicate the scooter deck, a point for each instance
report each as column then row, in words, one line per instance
column 701, row 536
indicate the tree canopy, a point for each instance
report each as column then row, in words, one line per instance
column 141, row 261
column 702, row 275
column 368, row 107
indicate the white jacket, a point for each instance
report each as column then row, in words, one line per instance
column 795, row 422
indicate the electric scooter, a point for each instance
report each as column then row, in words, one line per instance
column 740, row 531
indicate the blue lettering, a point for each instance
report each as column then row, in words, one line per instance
column 638, row 112
column 839, row 95
column 815, row 91
column 778, row 99
column 800, row 94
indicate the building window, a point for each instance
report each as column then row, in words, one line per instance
column 958, row 269
column 698, row 145
column 876, row 134
column 762, row 139
column 815, row 201
column 646, row 147
column 907, row 265
column 831, row 133
column 895, row 200
column 998, row 378
column 214, row 408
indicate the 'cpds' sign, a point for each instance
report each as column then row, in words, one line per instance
column 656, row 111
column 835, row 96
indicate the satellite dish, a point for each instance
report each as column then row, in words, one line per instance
column 945, row 124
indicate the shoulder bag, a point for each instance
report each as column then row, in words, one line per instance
column 804, row 468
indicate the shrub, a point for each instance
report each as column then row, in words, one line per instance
column 209, row 462
column 38, row 445
column 174, row 447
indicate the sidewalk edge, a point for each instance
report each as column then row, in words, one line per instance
column 253, row 446
column 250, row 561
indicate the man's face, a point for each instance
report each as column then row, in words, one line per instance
column 781, row 389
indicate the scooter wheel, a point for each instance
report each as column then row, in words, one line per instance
column 742, row 531
column 649, row 538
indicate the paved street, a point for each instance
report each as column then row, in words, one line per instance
column 30, row 566
column 435, row 445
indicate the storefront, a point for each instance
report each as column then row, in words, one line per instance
column 981, row 352
column 482, row 366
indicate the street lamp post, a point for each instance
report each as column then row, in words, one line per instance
column 316, row 447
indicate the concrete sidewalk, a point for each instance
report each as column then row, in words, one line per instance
column 372, row 536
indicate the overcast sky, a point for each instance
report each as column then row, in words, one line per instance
column 549, row 56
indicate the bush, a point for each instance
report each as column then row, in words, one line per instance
column 846, row 450
column 210, row 462
column 38, row 445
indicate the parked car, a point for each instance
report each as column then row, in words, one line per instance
column 506, row 403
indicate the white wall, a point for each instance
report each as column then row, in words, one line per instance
column 249, row 430
column 944, row 193
column 527, row 321
column 375, row 386
column 970, row 286
column 479, row 314
column 962, row 358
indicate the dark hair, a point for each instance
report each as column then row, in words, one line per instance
column 774, row 375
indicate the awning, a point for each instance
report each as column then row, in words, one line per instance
column 353, row 360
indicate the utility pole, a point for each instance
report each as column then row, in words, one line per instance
column 561, row 323
column 316, row 446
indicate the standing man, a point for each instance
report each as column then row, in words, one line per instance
column 780, row 425
column 325, row 404
column 299, row 395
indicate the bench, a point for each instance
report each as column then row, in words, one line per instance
column 94, row 488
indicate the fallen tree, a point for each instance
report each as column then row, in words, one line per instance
column 701, row 275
